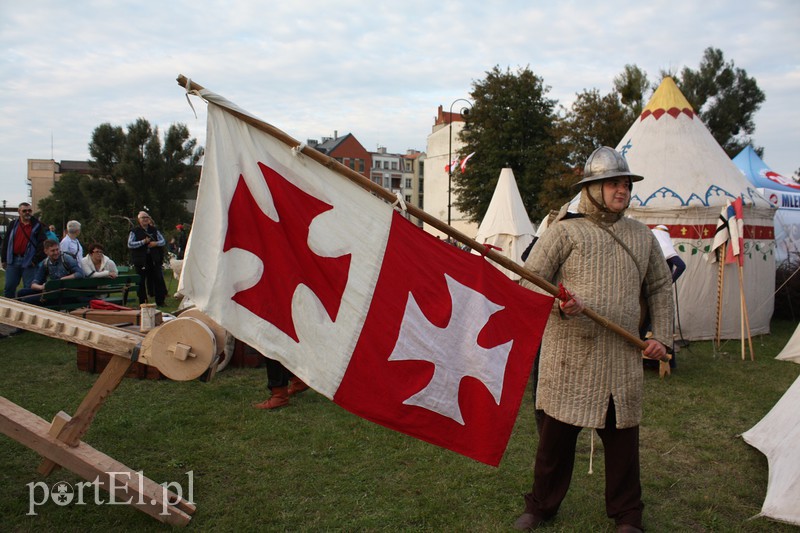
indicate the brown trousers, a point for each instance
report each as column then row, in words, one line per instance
column 555, row 459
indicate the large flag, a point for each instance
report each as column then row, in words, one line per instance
column 386, row 320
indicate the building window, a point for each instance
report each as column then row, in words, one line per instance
column 360, row 165
column 394, row 165
column 408, row 183
column 408, row 198
column 386, row 165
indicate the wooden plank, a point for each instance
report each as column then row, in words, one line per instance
column 94, row 466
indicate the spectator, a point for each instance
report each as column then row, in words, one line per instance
column 55, row 266
column 22, row 250
column 51, row 233
column 97, row 264
column 70, row 243
column 675, row 263
column 147, row 255
column 180, row 240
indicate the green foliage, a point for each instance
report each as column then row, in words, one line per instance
column 725, row 97
column 510, row 125
column 132, row 172
column 632, row 85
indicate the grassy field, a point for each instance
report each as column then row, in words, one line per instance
column 315, row 467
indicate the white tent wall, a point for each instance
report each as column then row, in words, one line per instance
column 777, row 436
column 688, row 181
column 697, row 288
column 791, row 352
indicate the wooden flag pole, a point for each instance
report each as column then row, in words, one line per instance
column 387, row 195
column 720, row 292
column 744, row 318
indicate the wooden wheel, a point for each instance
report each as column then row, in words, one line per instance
column 218, row 331
column 181, row 349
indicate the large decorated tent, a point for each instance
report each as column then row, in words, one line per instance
column 783, row 193
column 688, row 180
column 506, row 224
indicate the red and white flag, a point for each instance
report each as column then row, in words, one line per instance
column 386, row 320
column 736, row 228
column 464, row 162
column 452, row 165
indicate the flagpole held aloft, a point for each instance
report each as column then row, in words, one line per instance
column 388, row 196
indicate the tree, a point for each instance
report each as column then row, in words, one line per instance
column 592, row 121
column 632, row 85
column 724, row 97
column 510, row 125
column 132, row 172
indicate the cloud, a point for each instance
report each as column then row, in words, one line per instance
column 377, row 70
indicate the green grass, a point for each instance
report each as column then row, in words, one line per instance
column 315, row 467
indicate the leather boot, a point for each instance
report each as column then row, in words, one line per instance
column 296, row 386
column 278, row 398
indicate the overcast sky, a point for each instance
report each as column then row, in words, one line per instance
column 378, row 70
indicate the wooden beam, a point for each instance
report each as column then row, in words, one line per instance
column 125, row 484
column 75, row 428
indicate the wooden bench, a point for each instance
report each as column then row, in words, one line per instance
column 74, row 293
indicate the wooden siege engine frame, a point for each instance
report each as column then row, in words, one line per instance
column 182, row 349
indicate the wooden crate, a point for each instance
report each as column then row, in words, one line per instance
column 94, row 361
column 114, row 317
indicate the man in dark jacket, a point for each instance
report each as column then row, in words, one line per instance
column 22, row 250
column 147, row 255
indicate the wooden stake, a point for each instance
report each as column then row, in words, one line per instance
column 387, row 195
column 720, row 293
column 744, row 318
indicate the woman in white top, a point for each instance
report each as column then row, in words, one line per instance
column 98, row 265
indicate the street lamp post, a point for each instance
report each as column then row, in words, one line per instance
column 464, row 113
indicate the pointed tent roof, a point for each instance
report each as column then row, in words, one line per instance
column 760, row 175
column 506, row 223
column 506, row 213
column 682, row 163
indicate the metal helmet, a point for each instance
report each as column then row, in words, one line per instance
column 604, row 163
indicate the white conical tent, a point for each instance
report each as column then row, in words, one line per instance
column 506, row 224
column 783, row 193
column 688, row 180
column 791, row 352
